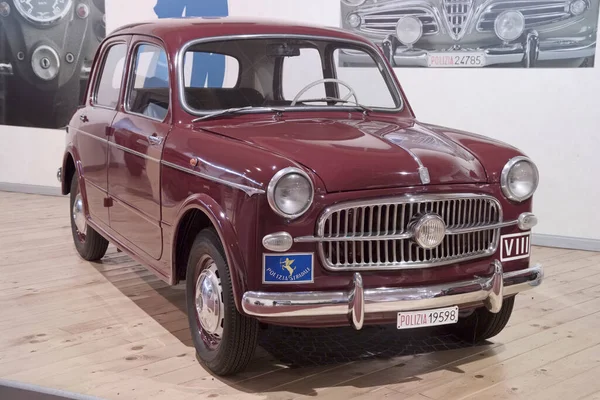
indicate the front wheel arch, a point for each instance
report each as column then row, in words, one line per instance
column 69, row 169
column 197, row 213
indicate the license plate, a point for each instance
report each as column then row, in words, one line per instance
column 466, row 59
column 421, row 319
column 515, row 246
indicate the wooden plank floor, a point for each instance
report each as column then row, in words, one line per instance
column 113, row 330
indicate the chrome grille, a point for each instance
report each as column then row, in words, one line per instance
column 457, row 12
column 535, row 12
column 384, row 21
column 376, row 234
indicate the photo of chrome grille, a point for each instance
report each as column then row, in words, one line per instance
column 536, row 13
column 385, row 22
column 474, row 33
column 377, row 234
column 457, row 13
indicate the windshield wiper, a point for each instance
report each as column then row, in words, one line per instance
column 337, row 100
column 230, row 111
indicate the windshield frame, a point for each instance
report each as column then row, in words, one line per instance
column 385, row 71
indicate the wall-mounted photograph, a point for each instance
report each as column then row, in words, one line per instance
column 475, row 33
column 46, row 52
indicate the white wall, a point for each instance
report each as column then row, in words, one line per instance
column 550, row 114
column 30, row 156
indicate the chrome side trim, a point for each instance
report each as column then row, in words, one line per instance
column 250, row 191
column 357, row 302
column 373, row 50
column 130, row 151
column 105, row 140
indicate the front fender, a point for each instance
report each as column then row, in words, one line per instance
column 65, row 182
column 493, row 154
column 227, row 235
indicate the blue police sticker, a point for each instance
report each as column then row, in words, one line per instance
column 288, row 268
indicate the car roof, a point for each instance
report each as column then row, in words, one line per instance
column 176, row 31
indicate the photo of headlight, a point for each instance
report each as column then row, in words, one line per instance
column 509, row 25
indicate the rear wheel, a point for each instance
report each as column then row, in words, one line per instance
column 482, row 324
column 90, row 245
column 224, row 339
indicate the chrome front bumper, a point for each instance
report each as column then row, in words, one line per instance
column 357, row 301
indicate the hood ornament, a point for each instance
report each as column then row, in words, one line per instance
column 424, row 175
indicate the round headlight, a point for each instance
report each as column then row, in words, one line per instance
column 519, row 179
column 409, row 30
column 354, row 20
column 509, row 25
column 578, row 7
column 290, row 192
column 354, row 3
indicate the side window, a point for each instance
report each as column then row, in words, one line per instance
column 300, row 71
column 111, row 78
column 149, row 87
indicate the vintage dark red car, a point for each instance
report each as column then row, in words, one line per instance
column 237, row 156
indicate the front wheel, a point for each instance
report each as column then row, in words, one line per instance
column 224, row 339
column 482, row 324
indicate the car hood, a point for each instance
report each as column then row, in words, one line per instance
column 362, row 154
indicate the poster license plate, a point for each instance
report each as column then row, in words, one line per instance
column 434, row 317
column 449, row 60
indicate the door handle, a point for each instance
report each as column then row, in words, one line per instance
column 83, row 118
column 154, row 139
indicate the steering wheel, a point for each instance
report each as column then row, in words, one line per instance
column 327, row 80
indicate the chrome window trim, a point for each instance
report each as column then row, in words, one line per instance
column 273, row 183
column 387, row 72
column 98, row 76
column 407, row 199
column 129, row 86
column 504, row 178
column 250, row 191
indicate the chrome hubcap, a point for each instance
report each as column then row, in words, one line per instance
column 78, row 215
column 209, row 301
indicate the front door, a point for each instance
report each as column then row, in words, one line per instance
column 92, row 122
column 138, row 134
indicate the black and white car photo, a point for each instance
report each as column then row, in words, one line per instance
column 46, row 52
column 475, row 33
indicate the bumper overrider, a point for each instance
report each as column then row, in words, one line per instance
column 527, row 52
column 356, row 302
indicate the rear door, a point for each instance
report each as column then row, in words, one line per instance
column 138, row 134
column 92, row 122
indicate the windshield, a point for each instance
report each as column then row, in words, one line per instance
column 284, row 73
